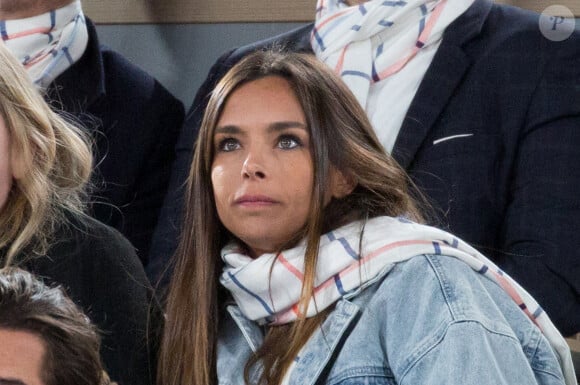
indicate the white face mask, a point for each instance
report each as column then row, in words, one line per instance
column 47, row 44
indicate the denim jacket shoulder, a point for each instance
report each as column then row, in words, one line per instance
column 431, row 320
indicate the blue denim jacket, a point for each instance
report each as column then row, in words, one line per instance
column 431, row 320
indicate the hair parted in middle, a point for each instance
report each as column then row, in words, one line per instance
column 341, row 137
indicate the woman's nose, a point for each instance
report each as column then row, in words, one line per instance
column 253, row 167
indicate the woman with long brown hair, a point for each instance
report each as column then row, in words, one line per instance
column 303, row 260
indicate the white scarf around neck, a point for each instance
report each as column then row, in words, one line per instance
column 47, row 44
column 382, row 49
column 267, row 289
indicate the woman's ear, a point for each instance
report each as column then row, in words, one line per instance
column 341, row 184
column 17, row 164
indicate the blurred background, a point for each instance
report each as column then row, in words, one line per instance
column 177, row 41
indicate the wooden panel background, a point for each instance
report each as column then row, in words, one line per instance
column 223, row 11
column 198, row 11
column 540, row 5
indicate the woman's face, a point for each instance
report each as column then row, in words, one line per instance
column 5, row 163
column 21, row 358
column 262, row 173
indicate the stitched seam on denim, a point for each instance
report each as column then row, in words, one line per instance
column 361, row 371
column 438, row 341
column 446, row 289
column 332, row 348
column 438, row 330
column 549, row 373
column 242, row 328
column 537, row 366
column 347, row 319
column 531, row 349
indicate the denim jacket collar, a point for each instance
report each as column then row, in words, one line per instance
column 317, row 352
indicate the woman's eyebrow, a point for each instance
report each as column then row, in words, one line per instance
column 272, row 127
column 227, row 129
column 11, row 381
column 280, row 126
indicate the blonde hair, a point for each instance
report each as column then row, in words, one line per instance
column 343, row 138
column 56, row 162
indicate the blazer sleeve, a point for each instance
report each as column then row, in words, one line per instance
column 542, row 222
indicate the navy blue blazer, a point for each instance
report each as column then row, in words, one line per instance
column 135, row 123
column 492, row 138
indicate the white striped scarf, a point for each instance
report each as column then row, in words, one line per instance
column 267, row 289
column 382, row 49
column 47, row 44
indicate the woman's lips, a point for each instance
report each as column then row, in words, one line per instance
column 255, row 201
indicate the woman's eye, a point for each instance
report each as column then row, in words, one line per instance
column 288, row 142
column 228, row 144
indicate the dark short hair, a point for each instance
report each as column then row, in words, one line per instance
column 71, row 341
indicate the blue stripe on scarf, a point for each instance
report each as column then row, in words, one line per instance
column 403, row 219
column 386, row 23
column 380, row 50
column 3, row 30
column 394, row 3
column 348, row 249
column 52, row 19
column 67, row 55
column 260, row 300
column 339, row 284
column 422, row 21
column 437, row 248
column 355, row 73
column 454, row 243
column 318, row 39
column 374, row 73
column 345, row 245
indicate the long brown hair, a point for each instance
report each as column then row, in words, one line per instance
column 341, row 137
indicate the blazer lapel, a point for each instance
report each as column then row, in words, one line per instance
column 441, row 79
